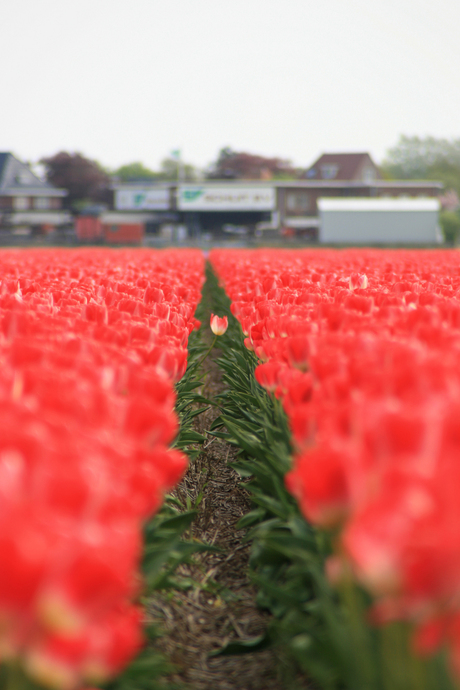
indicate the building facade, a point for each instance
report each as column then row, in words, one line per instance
column 379, row 221
column 27, row 203
column 297, row 202
column 288, row 207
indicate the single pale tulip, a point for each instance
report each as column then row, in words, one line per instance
column 218, row 325
column 358, row 280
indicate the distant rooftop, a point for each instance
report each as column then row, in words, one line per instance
column 3, row 159
column 16, row 178
column 344, row 166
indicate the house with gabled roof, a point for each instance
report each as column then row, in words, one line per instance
column 350, row 167
column 27, row 203
column 337, row 175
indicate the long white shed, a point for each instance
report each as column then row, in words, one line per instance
column 364, row 221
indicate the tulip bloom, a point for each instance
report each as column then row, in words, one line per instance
column 363, row 350
column 218, row 325
column 358, row 281
column 90, row 350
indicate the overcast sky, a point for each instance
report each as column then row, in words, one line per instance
column 131, row 80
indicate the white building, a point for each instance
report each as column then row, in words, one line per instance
column 379, row 221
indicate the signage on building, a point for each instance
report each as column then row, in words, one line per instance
column 225, row 198
column 142, row 199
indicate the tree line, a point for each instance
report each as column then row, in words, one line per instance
column 87, row 180
column 429, row 158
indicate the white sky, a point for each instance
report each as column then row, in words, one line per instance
column 128, row 80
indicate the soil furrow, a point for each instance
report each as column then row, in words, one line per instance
column 220, row 604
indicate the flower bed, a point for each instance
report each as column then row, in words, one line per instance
column 363, row 349
column 358, row 350
column 91, row 343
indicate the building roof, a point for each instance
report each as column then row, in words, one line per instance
column 294, row 184
column 17, row 179
column 341, row 166
column 3, row 159
column 378, row 204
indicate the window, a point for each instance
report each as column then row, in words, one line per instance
column 21, row 203
column 41, row 202
column 368, row 175
column 328, row 172
column 297, row 202
column 24, row 177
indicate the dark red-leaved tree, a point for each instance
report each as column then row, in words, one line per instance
column 240, row 165
column 84, row 179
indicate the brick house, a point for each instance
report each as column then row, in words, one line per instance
column 340, row 175
column 27, row 203
column 350, row 167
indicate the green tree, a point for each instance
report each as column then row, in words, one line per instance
column 172, row 170
column 134, row 171
column 424, row 158
column 450, row 224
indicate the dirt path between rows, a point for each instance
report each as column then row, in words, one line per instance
column 220, row 606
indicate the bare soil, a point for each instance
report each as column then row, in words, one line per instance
column 220, row 605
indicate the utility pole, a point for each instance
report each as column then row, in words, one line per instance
column 176, row 154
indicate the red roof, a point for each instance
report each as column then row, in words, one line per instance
column 348, row 166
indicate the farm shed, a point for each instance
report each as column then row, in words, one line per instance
column 88, row 228
column 124, row 228
column 358, row 221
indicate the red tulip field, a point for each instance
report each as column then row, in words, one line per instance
column 89, row 353
column 340, row 405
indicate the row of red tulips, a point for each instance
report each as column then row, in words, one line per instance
column 363, row 349
column 91, row 343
